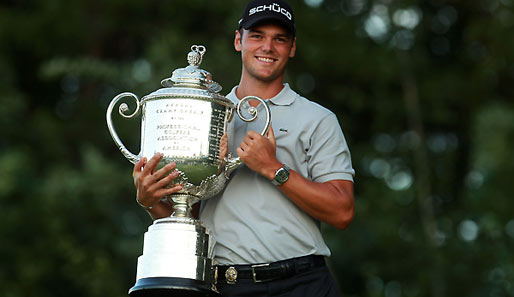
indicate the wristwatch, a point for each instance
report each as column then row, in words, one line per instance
column 281, row 176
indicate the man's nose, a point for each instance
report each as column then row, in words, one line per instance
column 267, row 45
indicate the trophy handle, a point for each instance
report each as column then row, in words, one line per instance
column 253, row 112
column 123, row 109
column 233, row 163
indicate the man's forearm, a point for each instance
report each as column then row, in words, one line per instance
column 164, row 209
column 331, row 202
column 160, row 210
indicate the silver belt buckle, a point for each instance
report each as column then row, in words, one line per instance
column 254, row 275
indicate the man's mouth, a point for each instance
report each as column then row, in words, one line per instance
column 264, row 59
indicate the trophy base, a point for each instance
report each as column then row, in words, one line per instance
column 171, row 286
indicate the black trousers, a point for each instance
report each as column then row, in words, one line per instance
column 317, row 282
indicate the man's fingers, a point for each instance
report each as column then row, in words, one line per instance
column 165, row 181
column 157, row 175
column 252, row 134
column 152, row 164
column 139, row 166
column 245, row 146
column 239, row 151
column 168, row 191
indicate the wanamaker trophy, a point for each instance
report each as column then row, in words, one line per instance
column 190, row 123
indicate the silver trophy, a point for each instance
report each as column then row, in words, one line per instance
column 191, row 124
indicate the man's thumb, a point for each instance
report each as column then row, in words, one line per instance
column 271, row 136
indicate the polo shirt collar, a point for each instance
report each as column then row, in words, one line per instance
column 285, row 97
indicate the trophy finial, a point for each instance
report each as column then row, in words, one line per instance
column 192, row 76
column 194, row 58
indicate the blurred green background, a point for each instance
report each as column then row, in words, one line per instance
column 423, row 90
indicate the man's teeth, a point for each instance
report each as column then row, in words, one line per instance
column 265, row 59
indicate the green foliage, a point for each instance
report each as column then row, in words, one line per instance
column 423, row 91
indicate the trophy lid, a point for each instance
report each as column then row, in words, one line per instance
column 192, row 76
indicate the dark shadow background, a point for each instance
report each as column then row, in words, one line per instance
column 423, row 90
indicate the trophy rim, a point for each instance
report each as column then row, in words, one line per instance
column 187, row 93
column 169, row 286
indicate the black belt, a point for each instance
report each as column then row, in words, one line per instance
column 269, row 271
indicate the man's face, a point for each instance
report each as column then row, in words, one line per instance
column 265, row 50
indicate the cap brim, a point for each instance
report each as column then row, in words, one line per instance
column 255, row 21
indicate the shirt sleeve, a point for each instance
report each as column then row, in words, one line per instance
column 328, row 155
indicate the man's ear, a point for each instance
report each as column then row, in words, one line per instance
column 237, row 41
column 293, row 49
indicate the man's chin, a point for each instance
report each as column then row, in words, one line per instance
column 267, row 77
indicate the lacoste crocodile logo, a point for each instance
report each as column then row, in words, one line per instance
column 282, row 130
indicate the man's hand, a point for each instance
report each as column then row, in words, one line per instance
column 259, row 153
column 152, row 185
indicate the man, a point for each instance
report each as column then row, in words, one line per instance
column 266, row 223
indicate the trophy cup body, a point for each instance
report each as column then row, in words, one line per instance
column 189, row 122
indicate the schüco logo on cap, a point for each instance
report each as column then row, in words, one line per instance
column 272, row 7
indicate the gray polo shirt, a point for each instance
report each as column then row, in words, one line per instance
column 251, row 221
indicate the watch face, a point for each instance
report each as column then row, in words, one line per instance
column 282, row 175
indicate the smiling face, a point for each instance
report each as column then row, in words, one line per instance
column 265, row 50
